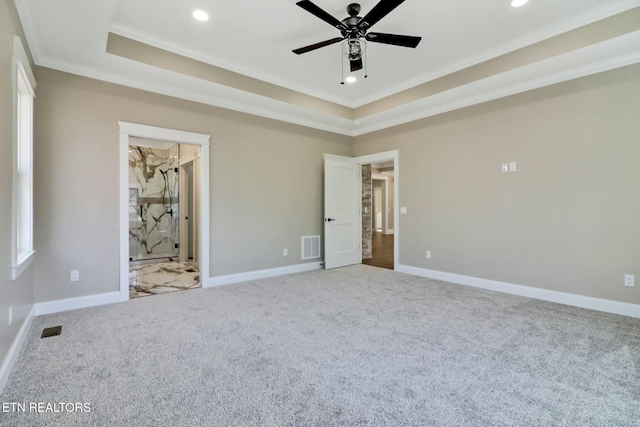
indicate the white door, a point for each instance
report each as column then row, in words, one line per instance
column 342, row 220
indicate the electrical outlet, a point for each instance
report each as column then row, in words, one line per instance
column 285, row 252
column 428, row 254
column 629, row 280
column 75, row 275
column 403, row 210
column 512, row 167
column 10, row 315
column 505, row 167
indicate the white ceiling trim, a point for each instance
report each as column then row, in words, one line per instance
column 29, row 30
column 605, row 11
column 608, row 55
column 614, row 53
column 155, row 41
column 594, row 15
column 218, row 96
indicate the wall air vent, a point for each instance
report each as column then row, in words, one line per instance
column 310, row 247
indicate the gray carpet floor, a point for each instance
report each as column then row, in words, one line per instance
column 356, row 346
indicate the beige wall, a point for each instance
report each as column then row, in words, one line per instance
column 266, row 181
column 19, row 293
column 567, row 220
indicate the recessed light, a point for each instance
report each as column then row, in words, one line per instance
column 201, row 15
column 518, row 3
column 350, row 79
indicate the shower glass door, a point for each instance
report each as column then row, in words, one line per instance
column 153, row 202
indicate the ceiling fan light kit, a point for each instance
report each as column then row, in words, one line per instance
column 354, row 32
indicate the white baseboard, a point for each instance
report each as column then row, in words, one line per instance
column 599, row 304
column 261, row 274
column 57, row 306
column 14, row 350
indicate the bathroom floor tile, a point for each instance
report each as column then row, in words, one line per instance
column 163, row 277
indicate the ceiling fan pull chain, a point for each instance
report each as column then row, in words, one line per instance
column 342, row 69
column 365, row 65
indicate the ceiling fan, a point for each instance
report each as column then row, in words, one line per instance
column 354, row 30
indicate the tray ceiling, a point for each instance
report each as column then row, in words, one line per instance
column 241, row 58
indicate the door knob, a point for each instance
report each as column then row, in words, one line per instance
column 330, row 219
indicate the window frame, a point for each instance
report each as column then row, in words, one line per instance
column 23, row 85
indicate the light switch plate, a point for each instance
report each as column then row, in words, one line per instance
column 403, row 210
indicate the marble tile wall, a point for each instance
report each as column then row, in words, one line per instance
column 366, row 212
column 153, row 202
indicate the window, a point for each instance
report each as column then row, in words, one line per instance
column 22, row 225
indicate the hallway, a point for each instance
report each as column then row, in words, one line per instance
column 382, row 246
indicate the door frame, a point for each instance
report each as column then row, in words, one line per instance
column 385, row 201
column 185, row 200
column 162, row 134
column 383, row 157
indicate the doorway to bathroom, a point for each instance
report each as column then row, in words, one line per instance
column 162, row 203
column 164, row 206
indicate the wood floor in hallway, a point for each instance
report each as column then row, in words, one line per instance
column 382, row 246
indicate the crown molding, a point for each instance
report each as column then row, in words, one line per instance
column 161, row 43
column 216, row 95
column 604, row 56
column 594, row 15
column 30, row 31
column 614, row 53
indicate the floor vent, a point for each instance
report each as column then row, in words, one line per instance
column 51, row 332
column 310, row 247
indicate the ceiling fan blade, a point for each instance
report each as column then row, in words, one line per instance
column 394, row 39
column 315, row 10
column 317, row 45
column 382, row 9
column 356, row 64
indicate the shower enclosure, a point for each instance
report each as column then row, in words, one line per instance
column 153, row 202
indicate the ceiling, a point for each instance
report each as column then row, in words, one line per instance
column 241, row 58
